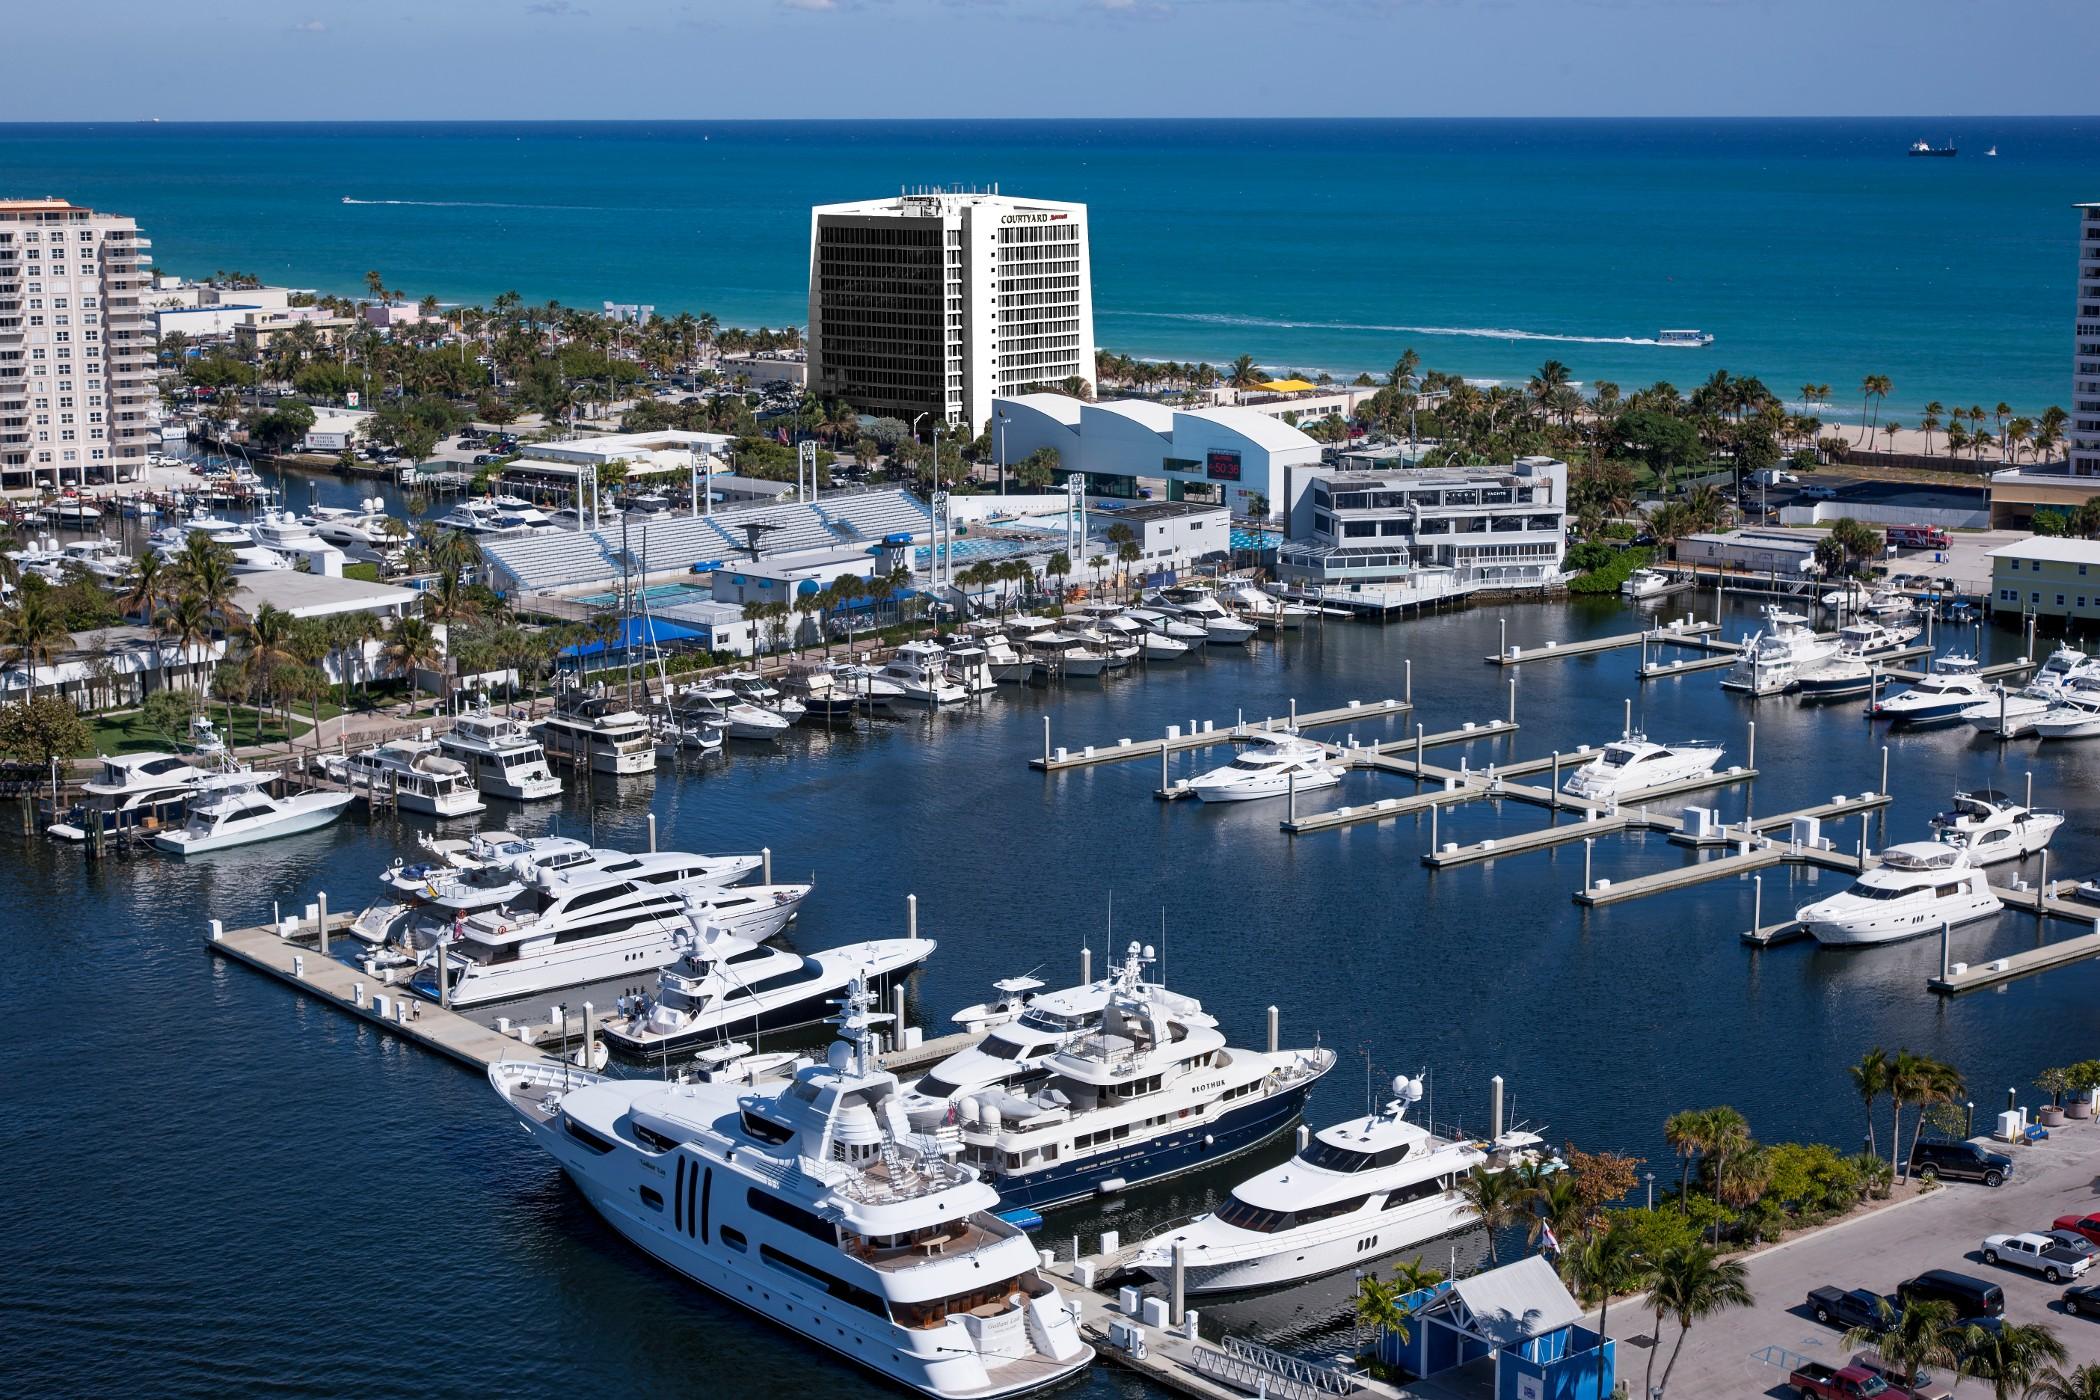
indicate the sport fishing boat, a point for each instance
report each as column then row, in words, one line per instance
column 418, row 777
column 1271, row 766
column 1015, row 996
column 1197, row 604
column 556, row 935
column 141, row 790
column 1058, row 654
column 242, row 813
column 969, row 665
column 820, row 691
column 723, row 985
column 817, row 1207
column 1264, row 609
column 1835, row 678
column 594, row 731
column 1151, row 1092
column 754, row 689
column 1357, row 1191
column 1990, row 827
column 1917, row 887
column 501, row 753
column 1645, row 583
column 711, row 704
column 1636, row 763
column 2010, row 714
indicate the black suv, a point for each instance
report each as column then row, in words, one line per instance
column 1959, row 1161
column 1971, row 1297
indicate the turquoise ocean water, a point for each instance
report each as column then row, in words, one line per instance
column 1814, row 250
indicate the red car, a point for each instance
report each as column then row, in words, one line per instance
column 2086, row 1225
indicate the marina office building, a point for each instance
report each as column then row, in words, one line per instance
column 1234, row 457
column 2056, row 578
column 77, row 399
column 936, row 302
column 1395, row 539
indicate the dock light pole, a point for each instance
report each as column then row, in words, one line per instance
column 1650, row 1177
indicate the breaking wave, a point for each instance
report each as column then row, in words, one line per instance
column 1472, row 332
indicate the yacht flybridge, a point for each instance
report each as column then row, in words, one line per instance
column 1917, row 887
column 502, row 755
column 1357, row 1191
column 724, row 985
column 817, row 1207
column 418, row 776
column 1772, row 660
column 1272, row 766
column 1152, row 1091
column 592, row 730
column 1636, row 764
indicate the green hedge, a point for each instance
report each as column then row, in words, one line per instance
column 1603, row 567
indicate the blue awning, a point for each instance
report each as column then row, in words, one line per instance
column 639, row 631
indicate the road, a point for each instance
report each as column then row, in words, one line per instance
column 1939, row 1229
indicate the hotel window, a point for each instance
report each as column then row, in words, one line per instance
column 2059, row 600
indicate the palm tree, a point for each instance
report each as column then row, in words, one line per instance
column 1691, row 1283
column 1060, row 568
column 1497, row 1198
column 269, row 650
column 1244, row 374
column 1740, row 1181
column 1921, row 1334
column 188, row 623
column 1560, row 1210
column 1905, row 1073
column 33, row 631
column 1381, row 1306
column 2013, row 1357
column 206, row 569
column 1874, row 388
column 1931, row 422
column 412, row 646
column 2054, row 1384
column 1935, row 1082
column 1602, row 1264
column 1686, row 1132
column 1871, row 1078
column 148, row 584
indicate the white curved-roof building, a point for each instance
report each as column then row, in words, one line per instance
column 1231, row 455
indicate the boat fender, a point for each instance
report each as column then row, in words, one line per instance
column 1209, row 1140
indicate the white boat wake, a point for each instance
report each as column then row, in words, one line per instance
column 1474, row 332
column 473, row 204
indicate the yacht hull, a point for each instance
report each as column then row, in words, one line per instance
column 1267, row 788
column 309, row 811
column 1294, row 1260
column 808, row 1004
column 1186, row 1150
column 1864, row 929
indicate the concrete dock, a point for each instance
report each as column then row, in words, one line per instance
column 1684, row 632
column 1204, row 733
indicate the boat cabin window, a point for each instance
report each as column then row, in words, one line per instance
column 593, row 897
column 1000, row 1048
column 837, row 1287
column 1035, row 1018
column 988, row 1301
column 650, row 1138
column 1947, row 891
column 1335, row 1158
column 767, row 1204
column 585, row 1136
column 935, row 1087
column 759, row 1130
column 1238, row 1213
column 1417, row 1191
column 1617, row 758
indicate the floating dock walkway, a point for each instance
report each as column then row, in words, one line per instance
column 1957, row 977
column 1203, row 734
column 1684, row 632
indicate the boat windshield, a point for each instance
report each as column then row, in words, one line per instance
column 1238, row 1213
column 1337, row 1158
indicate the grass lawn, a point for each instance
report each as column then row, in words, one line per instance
column 129, row 733
column 367, row 572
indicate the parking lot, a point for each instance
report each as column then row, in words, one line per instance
column 1939, row 1229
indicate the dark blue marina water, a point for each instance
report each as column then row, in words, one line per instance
column 217, row 1186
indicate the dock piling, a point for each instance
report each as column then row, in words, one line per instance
column 1495, row 1109
column 1407, row 680
column 1750, row 758
column 1884, row 770
column 1512, row 699
column 1177, row 1305
column 321, row 921
column 652, row 833
column 1164, row 782
column 1553, row 811
column 2030, row 790
column 1046, row 739
column 1589, row 847
column 1291, row 795
column 2041, row 894
column 1294, row 716
column 1757, row 904
column 1943, row 949
column 1626, row 726
column 590, row 1031
column 1086, row 965
column 444, row 960
column 911, row 916
column 1418, row 750
column 765, row 856
column 1502, row 647
column 897, row 1007
column 1274, row 1018
column 1434, row 808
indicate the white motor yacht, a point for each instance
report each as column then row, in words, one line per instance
column 752, row 688
column 567, row 934
column 1023, row 1029
column 501, row 753
column 819, row 1209
column 715, row 704
column 593, row 730
column 1264, row 609
column 1272, row 766
column 819, row 690
column 969, row 665
column 243, row 813
column 1868, row 638
column 1008, row 665
column 1153, row 1092
column 1917, row 887
column 870, row 689
column 1645, row 583
column 1064, row 655
column 1636, row 764
column 100, row 558
column 1196, row 603
column 2075, row 713
column 1167, row 624
column 143, row 790
column 1990, row 827
column 490, row 518
column 919, row 669
column 722, row 985
column 1938, row 698
column 1835, row 678
column 418, row 776
column 2009, row 714
column 1773, row 659
column 1015, row 994
column 1356, row 1191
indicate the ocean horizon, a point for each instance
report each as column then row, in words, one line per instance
column 1813, row 249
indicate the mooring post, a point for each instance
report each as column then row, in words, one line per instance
column 1553, row 808
column 1434, row 808
column 652, row 833
column 1291, row 795
column 1163, row 782
column 2030, row 790
column 1418, row 750
column 1086, row 965
column 1589, row 846
column 1046, row 740
column 765, row 858
column 2041, row 894
column 1274, row 1024
column 1407, row 680
column 590, row 1030
column 1750, row 758
column 1512, row 700
column 1943, row 949
column 911, row 917
column 322, row 923
column 1502, row 647
column 1884, row 770
column 897, row 1005
column 444, row 958
column 1294, row 716
column 1176, row 1311
column 1626, row 728
column 1757, row 905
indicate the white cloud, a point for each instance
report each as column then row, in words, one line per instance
column 813, row 6
column 311, row 26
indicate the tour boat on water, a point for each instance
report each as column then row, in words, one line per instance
column 1684, row 339
column 1355, row 1192
column 816, row 1206
column 1636, row 763
column 1151, row 1091
column 1272, row 766
column 1917, row 887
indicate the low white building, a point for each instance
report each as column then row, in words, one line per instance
column 1235, row 457
column 333, row 431
column 303, row 595
column 1758, row 551
column 1409, row 536
column 668, row 452
column 113, row 666
column 1168, row 534
column 784, row 578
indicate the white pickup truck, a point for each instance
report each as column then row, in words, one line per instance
column 2037, row 1254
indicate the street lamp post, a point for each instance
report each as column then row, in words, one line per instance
column 1002, row 451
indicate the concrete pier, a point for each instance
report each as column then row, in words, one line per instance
column 1683, row 633
column 1058, row 760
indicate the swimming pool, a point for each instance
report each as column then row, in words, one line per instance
column 657, row 593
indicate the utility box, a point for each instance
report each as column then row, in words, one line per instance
column 2012, row 1124
column 1808, row 832
column 1703, row 823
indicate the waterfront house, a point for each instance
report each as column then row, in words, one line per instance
column 1516, row 1332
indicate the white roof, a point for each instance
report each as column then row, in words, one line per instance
column 317, row 595
column 1146, row 414
column 1517, row 1302
column 2054, row 551
column 1263, row 429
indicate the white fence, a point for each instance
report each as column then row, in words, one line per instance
column 1823, row 512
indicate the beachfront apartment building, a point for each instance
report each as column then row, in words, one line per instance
column 77, row 399
column 935, row 302
column 2084, row 430
column 1399, row 538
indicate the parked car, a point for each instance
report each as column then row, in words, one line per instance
column 1922, row 1387
column 2086, row 1225
column 1818, row 493
column 1840, row 1307
column 1814, row 1381
column 2082, row 1300
column 1972, row 1297
column 1959, row 1161
column 2037, row 1254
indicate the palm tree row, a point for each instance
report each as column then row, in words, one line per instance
column 1906, row 1080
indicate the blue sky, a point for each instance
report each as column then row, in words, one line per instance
column 554, row 59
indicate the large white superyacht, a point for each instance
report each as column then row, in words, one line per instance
column 1151, row 1092
column 817, row 1207
column 1356, row 1191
